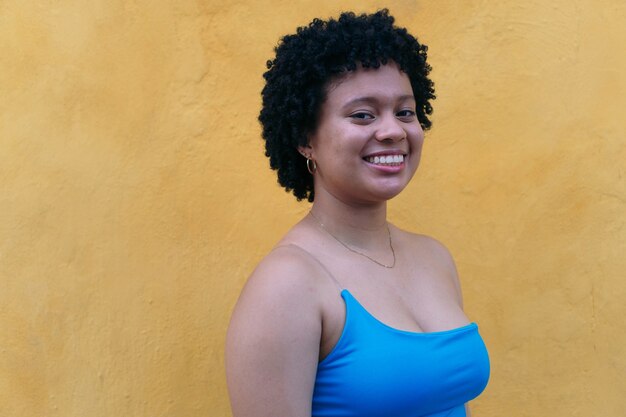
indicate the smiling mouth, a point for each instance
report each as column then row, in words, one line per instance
column 385, row 160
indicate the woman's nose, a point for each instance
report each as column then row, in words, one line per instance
column 390, row 129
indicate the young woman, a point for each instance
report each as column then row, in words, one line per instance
column 349, row 315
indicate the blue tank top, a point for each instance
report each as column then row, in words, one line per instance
column 377, row 371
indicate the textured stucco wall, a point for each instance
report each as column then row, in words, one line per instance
column 135, row 200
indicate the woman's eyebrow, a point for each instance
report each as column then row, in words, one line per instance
column 375, row 100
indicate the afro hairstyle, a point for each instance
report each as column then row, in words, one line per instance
column 307, row 61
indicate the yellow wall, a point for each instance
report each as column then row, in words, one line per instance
column 135, row 199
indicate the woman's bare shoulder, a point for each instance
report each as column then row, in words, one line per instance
column 286, row 274
column 428, row 250
column 287, row 265
column 427, row 245
column 275, row 331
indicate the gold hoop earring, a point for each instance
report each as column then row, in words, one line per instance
column 311, row 166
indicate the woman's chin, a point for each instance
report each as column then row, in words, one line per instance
column 390, row 189
column 387, row 193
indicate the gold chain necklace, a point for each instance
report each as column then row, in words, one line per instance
column 356, row 251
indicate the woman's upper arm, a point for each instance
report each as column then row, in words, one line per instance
column 272, row 345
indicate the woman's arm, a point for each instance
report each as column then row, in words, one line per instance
column 272, row 345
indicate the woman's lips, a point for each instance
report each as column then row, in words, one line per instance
column 385, row 160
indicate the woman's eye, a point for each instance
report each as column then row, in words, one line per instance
column 362, row 116
column 405, row 113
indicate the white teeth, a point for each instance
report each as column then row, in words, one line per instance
column 386, row 159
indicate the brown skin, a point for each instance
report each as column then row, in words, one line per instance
column 290, row 313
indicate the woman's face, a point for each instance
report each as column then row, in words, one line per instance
column 368, row 141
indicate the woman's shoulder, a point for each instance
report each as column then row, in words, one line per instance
column 426, row 245
column 429, row 253
column 287, row 264
column 275, row 331
column 287, row 275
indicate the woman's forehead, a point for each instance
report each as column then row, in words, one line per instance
column 387, row 81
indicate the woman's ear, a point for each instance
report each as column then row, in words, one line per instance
column 305, row 151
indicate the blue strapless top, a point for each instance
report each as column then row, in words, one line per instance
column 377, row 371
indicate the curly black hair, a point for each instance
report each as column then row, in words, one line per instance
column 304, row 65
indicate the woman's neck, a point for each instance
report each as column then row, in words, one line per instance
column 359, row 225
